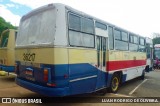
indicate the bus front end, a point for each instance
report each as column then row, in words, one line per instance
column 41, row 56
column 157, row 56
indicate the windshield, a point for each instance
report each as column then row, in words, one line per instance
column 157, row 53
column 4, row 39
column 37, row 29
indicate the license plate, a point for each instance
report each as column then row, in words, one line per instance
column 29, row 72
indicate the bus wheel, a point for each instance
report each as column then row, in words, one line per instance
column 114, row 85
column 143, row 75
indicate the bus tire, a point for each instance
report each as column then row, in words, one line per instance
column 114, row 84
column 143, row 75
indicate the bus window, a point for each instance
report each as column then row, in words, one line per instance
column 121, row 40
column 148, row 50
column 117, row 35
column 111, row 37
column 142, row 41
column 156, row 53
column 133, row 46
column 100, row 25
column 135, row 39
column 124, row 36
column 81, row 31
column 4, row 39
column 74, row 22
column 87, row 25
column 38, row 25
column 141, row 45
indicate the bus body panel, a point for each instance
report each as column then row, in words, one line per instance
column 131, row 64
column 3, row 57
column 47, row 55
column 84, row 72
column 7, row 55
column 42, row 89
column 81, row 72
column 54, row 58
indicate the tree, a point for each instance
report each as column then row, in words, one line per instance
column 5, row 25
column 156, row 40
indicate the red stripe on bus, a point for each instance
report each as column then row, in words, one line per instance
column 116, row 65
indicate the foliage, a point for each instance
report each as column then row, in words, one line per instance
column 156, row 40
column 5, row 25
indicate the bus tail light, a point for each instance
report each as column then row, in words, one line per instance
column 45, row 72
column 47, row 77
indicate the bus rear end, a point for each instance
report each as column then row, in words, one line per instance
column 41, row 58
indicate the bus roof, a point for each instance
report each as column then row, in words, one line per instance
column 53, row 5
column 105, row 22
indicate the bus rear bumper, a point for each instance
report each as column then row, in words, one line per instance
column 54, row 92
column 8, row 68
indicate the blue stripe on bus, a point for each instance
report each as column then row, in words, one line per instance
column 83, row 69
column 124, row 76
column 42, row 89
column 84, row 72
column 7, row 68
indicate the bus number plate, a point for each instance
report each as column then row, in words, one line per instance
column 29, row 72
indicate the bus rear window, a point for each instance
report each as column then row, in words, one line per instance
column 37, row 29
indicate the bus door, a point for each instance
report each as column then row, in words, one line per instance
column 149, row 50
column 101, row 60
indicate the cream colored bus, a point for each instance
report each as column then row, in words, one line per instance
column 62, row 51
column 7, row 50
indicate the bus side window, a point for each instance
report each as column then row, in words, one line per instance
column 141, row 45
column 121, row 40
column 4, row 39
column 81, row 31
column 133, row 42
column 111, row 38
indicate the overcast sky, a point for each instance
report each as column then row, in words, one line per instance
column 139, row 16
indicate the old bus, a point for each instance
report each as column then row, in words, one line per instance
column 62, row 51
column 157, row 51
column 156, row 56
column 7, row 50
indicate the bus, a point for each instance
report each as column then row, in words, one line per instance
column 157, row 55
column 157, row 51
column 7, row 52
column 149, row 52
column 62, row 51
